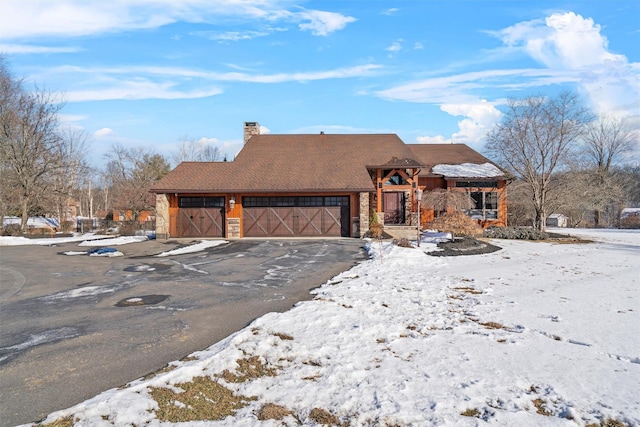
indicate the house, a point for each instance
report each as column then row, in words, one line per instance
column 557, row 220
column 319, row 185
column 630, row 218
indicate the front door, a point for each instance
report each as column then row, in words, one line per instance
column 393, row 205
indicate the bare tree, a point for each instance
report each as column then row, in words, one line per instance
column 130, row 173
column 34, row 153
column 192, row 150
column 535, row 139
column 606, row 143
column 441, row 200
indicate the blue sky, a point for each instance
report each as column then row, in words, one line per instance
column 151, row 73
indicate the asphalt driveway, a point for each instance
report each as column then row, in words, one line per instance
column 74, row 326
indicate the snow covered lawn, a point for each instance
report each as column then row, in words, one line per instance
column 534, row 334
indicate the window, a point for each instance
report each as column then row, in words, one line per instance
column 477, row 184
column 336, row 201
column 255, row 202
column 309, row 201
column 485, row 205
column 395, row 179
column 201, row 202
column 301, row 201
column 282, row 201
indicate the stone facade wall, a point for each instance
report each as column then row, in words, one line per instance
column 364, row 215
column 250, row 129
column 233, row 228
column 162, row 216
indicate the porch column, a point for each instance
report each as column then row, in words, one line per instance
column 162, row 216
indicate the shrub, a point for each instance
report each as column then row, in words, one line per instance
column 457, row 223
column 403, row 242
column 66, row 226
column 519, row 233
column 376, row 230
column 12, row 230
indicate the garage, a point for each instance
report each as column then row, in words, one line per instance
column 291, row 216
column 200, row 217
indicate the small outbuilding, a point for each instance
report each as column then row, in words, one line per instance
column 557, row 220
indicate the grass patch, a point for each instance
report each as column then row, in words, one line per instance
column 60, row 422
column 541, row 407
column 471, row 412
column 492, row 325
column 324, row 417
column 489, row 325
column 271, row 411
column 202, row 399
column 248, row 369
column 468, row 290
column 609, row 422
column 283, row 337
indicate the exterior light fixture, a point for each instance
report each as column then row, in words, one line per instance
column 232, row 203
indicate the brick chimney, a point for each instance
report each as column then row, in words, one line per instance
column 250, row 129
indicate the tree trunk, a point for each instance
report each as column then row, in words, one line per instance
column 25, row 214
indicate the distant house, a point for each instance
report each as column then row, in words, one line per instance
column 557, row 220
column 320, row 185
column 630, row 218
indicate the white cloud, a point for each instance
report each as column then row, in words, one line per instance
column 439, row 139
column 71, row 118
column 479, row 118
column 137, row 89
column 571, row 43
column 108, row 83
column 264, row 129
column 461, row 88
column 321, row 23
column 27, row 48
column 396, row 46
column 72, row 18
column 103, row 132
column 231, row 36
column 205, row 140
column 571, row 50
column 561, row 41
column 418, row 46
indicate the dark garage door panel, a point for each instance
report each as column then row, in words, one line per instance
column 293, row 221
column 255, row 222
column 200, row 222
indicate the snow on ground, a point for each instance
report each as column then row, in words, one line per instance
column 114, row 241
column 194, row 248
column 48, row 241
column 534, row 334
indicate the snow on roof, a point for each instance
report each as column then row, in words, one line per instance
column 627, row 212
column 32, row 222
column 468, row 170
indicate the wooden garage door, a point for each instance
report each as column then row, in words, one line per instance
column 201, row 217
column 296, row 221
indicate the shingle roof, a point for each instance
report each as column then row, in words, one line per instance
column 446, row 154
column 319, row 162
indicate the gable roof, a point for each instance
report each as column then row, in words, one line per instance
column 279, row 163
column 438, row 155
